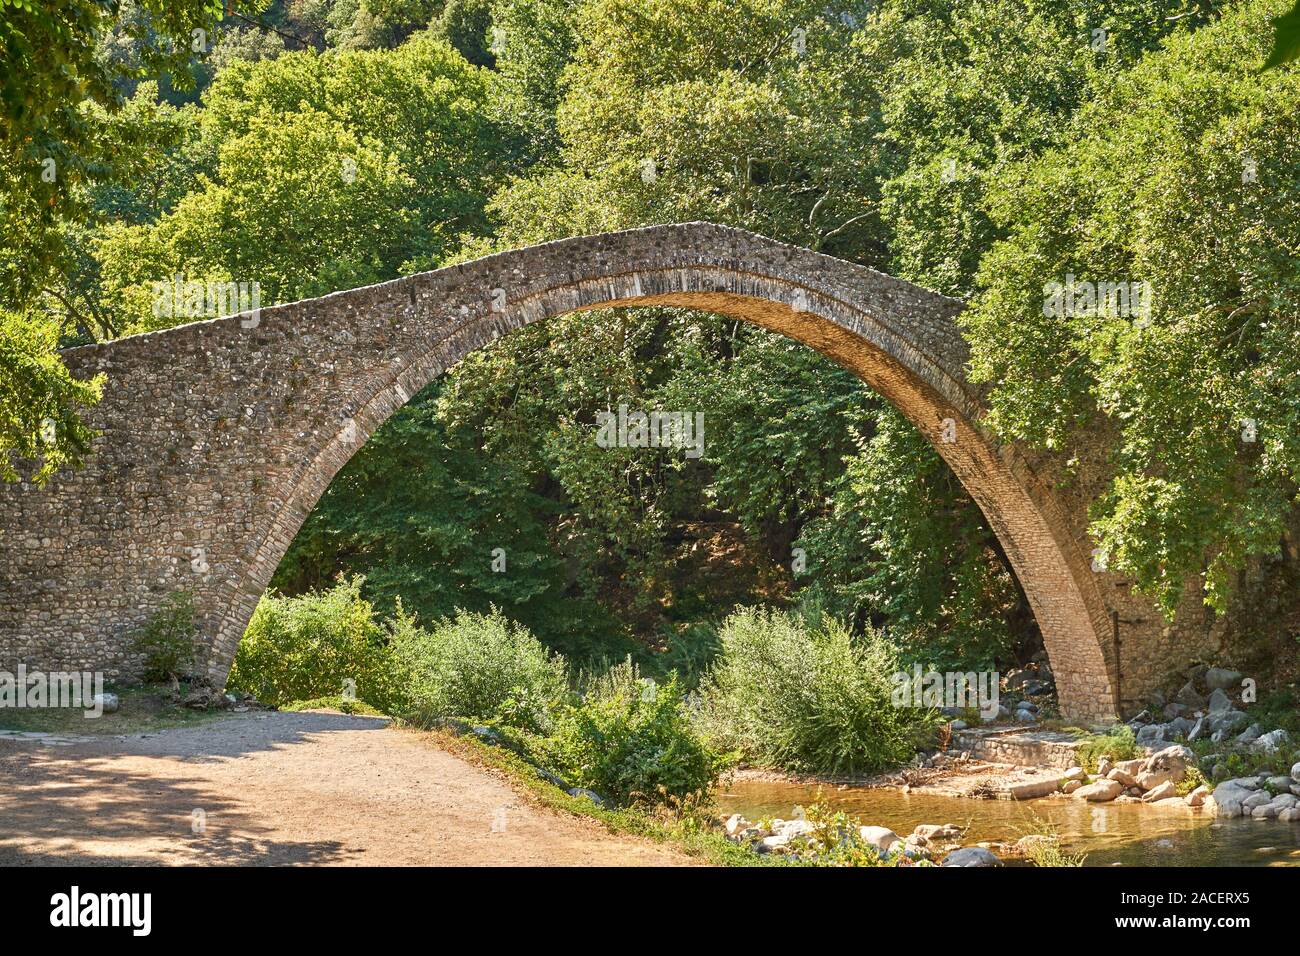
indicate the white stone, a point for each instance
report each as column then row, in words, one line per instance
column 882, row 838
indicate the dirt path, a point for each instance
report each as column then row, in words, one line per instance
column 281, row 788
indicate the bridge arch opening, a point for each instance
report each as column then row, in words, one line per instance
column 309, row 382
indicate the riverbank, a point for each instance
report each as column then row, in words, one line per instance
column 949, row 802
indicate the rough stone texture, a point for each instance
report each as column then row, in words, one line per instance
column 217, row 438
column 1024, row 748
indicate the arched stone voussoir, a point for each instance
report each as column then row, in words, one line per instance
column 218, row 438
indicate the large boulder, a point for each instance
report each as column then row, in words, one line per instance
column 1259, row 798
column 1161, row 792
column 1174, row 760
column 1149, row 779
column 1101, row 791
column 971, row 856
column 1122, row 777
column 1220, row 702
column 882, row 838
column 1228, row 799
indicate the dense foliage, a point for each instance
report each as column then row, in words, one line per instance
column 808, row 697
column 321, row 644
column 476, row 666
column 633, row 741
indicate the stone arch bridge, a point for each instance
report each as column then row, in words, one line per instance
column 217, row 438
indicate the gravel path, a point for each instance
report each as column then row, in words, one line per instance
column 283, row 788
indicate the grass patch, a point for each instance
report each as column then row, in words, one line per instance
column 142, row 708
column 342, row 704
column 1118, row 743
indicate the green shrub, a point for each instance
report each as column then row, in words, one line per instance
column 166, row 639
column 808, row 699
column 480, row 666
column 632, row 741
column 322, row 644
column 1118, row 743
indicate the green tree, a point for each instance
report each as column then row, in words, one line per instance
column 1185, row 184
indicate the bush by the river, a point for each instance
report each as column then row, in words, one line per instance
column 808, row 698
column 320, row 644
column 631, row 740
column 478, row 666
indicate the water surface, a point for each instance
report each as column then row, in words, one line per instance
column 1109, row 834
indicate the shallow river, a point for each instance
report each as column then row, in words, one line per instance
column 1127, row 834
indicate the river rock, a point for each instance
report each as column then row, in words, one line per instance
column 1269, row 743
column 1161, row 791
column 1101, row 791
column 971, row 856
column 1172, row 760
column 1283, row 801
column 1104, row 766
column 793, row 829
column 1121, row 777
column 1217, row 678
column 1132, row 767
column 882, row 838
column 1197, row 797
column 1071, row 785
column 735, row 823
column 1228, row 799
column 1290, row 816
column 937, row 832
column 1279, row 783
column 1078, row 773
column 1264, row 812
column 1256, row 799
column 108, row 703
column 1295, row 772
